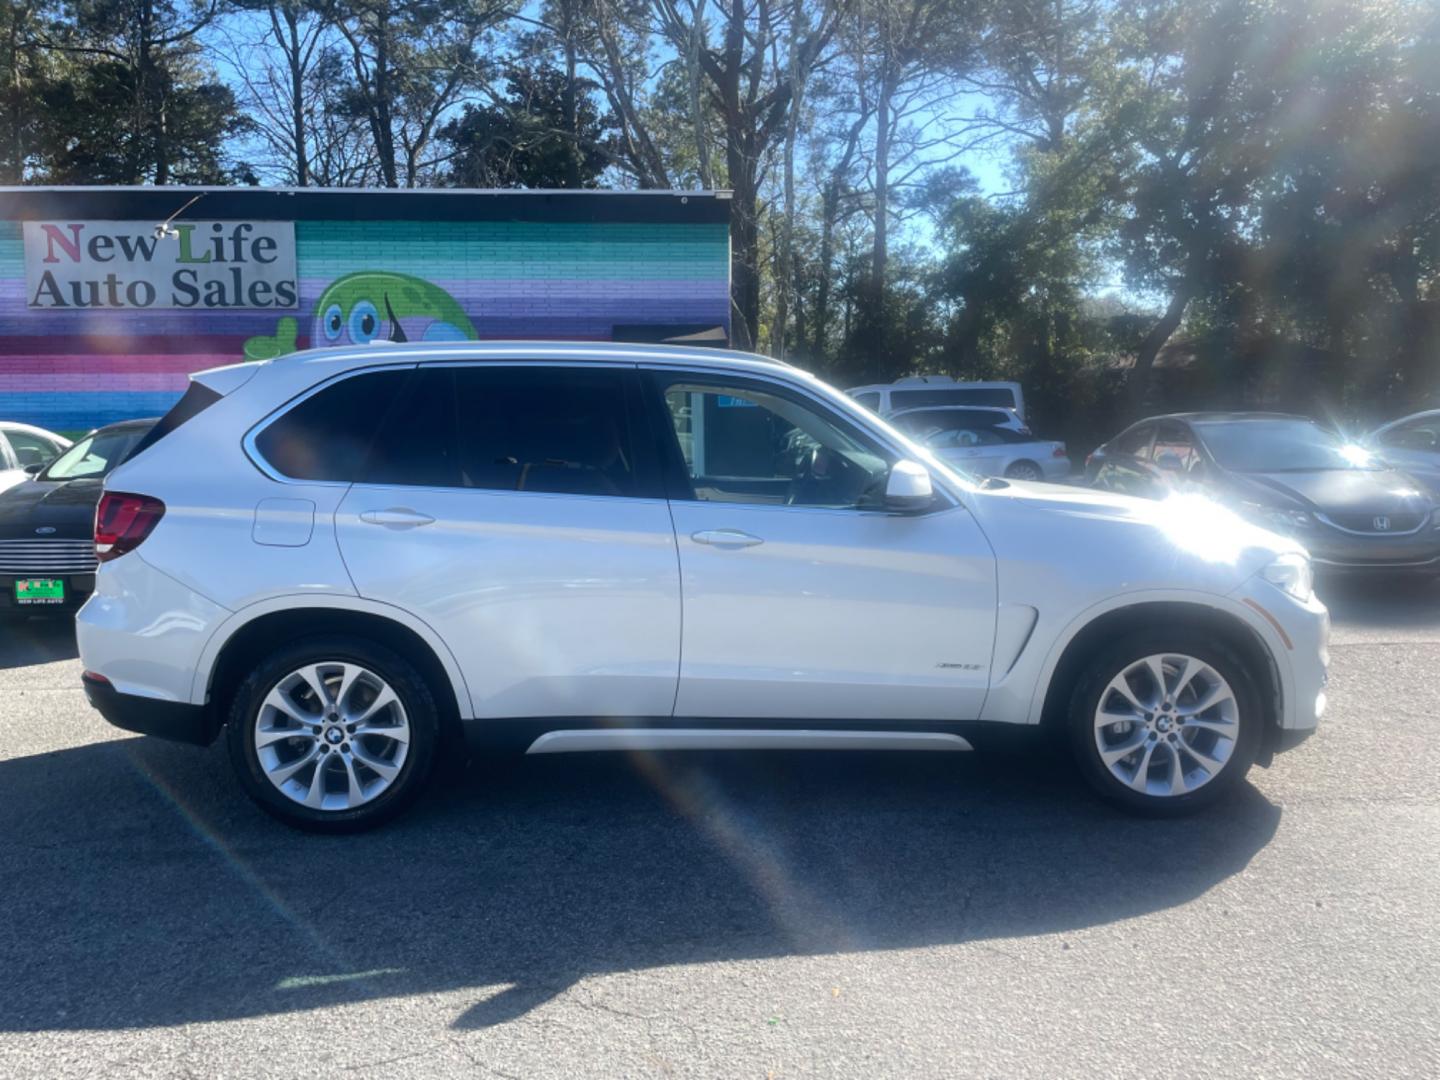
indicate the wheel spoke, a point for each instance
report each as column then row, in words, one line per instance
column 1192, row 668
column 1214, row 696
column 282, row 773
column 354, row 795
column 1221, row 726
column 1121, row 685
column 1156, row 666
column 315, row 796
column 384, row 769
column 1211, row 765
column 1142, row 771
column 316, row 682
column 281, row 702
column 385, row 698
column 397, row 733
column 1120, row 751
column 1177, row 771
column 348, row 674
column 271, row 735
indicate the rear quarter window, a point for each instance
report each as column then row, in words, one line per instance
column 327, row 435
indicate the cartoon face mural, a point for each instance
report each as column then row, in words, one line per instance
column 362, row 307
column 368, row 305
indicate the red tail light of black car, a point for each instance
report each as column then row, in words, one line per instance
column 123, row 521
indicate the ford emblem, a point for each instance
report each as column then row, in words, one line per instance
column 45, row 530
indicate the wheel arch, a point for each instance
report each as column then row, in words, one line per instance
column 1228, row 626
column 251, row 633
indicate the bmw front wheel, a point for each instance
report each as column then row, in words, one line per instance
column 1164, row 723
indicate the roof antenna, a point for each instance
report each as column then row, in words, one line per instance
column 165, row 229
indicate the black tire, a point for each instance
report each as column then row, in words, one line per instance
column 1025, row 470
column 1115, row 658
column 415, row 697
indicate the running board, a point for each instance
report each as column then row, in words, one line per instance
column 658, row 738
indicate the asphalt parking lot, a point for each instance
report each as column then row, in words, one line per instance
column 725, row 915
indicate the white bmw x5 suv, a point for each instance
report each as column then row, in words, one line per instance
column 351, row 559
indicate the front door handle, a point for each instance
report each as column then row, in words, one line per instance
column 725, row 538
column 396, row 517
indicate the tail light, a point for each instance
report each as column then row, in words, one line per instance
column 123, row 521
column 1060, row 451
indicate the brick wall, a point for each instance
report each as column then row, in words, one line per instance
column 72, row 370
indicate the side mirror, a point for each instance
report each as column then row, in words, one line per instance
column 908, row 488
column 33, row 469
column 1169, row 461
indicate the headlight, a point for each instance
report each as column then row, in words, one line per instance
column 1291, row 574
column 1277, row 518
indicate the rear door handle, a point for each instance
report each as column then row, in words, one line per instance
column 396, row 517
column 725, row 538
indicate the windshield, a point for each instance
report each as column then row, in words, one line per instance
column 93, row 456
column 1279, row 446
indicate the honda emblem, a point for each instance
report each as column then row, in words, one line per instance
column 1382, row 523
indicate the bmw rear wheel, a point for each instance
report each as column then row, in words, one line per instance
column 1165, row 722
column 333, row 734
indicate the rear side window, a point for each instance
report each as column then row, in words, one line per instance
column 326, row 436
column 870, row 400
column 542, row 429
column 196, row 399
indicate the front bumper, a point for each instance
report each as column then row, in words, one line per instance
column 1297, row 636
column 174, row 720
column 1335, row 550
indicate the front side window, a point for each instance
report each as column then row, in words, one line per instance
column 744, row 443
column 1136, row 441
column 1174, row 448
column 539, row 429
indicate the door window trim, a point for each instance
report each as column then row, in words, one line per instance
column 657, row 376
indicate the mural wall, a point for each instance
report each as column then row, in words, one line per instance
column 82, row 344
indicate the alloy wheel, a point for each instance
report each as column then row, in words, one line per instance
column 1023, row 470
column 1167, row 724
column 331, row 735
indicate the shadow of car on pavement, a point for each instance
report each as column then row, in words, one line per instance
column 36, row 640
column 142, row 889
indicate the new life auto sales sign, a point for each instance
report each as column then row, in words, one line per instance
column 205, row 265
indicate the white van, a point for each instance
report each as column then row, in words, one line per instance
column 886, row 398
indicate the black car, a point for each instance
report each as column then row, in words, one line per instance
column 47, row 523
column 1288, row 473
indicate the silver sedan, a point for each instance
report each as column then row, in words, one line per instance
column 997, row 451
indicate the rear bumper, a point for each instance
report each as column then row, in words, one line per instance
column 174, row 720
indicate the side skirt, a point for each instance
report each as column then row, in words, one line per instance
column 571, row 734
column 580, row 740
